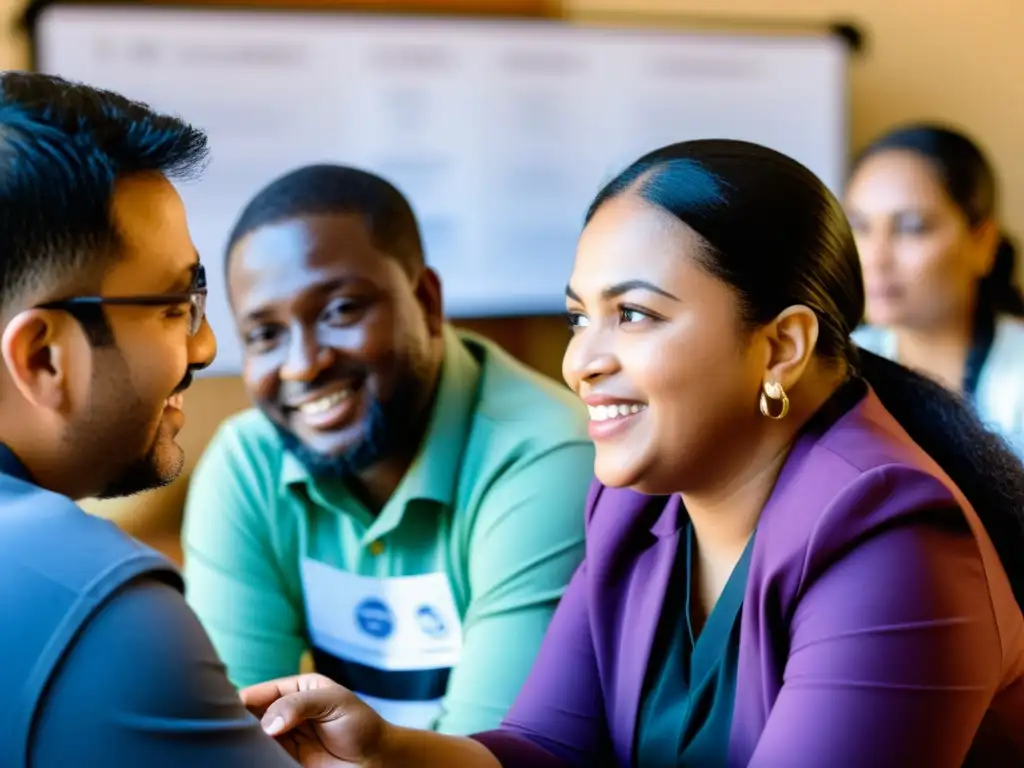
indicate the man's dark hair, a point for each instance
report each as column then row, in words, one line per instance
column 62, row 146
column 335, row 189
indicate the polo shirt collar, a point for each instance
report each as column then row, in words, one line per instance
column 433, row 474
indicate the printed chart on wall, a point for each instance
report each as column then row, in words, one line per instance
column 499, row 132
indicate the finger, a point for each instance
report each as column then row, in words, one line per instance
column 316, row 705
column 262, row 695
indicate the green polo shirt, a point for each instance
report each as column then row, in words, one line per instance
column 494, row 501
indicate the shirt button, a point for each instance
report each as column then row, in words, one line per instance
column 377, row 548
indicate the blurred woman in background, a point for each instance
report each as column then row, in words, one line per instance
column 938, row 270
column 797, row 554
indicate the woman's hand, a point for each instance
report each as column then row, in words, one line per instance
column 318, row 722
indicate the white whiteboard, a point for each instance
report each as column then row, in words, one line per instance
column 499, row 132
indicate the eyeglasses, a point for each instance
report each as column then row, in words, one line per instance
column 195, row 297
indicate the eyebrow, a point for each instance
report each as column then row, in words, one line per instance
column 330, row 285
column 186, row 278
column 614, row 291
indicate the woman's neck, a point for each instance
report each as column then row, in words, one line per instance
column 724, row 520
column 722, row 527
column 724, row 516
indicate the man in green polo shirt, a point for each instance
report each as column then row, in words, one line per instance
column 406, row 501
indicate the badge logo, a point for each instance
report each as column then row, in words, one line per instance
column 430, row 621
column 375, row 618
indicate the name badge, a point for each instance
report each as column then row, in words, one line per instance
column 396, row 624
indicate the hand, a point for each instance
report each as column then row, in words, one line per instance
column 318, row 722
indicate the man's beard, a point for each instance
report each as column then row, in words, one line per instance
column 146, row 473
column 391, row 429
column 127, row 458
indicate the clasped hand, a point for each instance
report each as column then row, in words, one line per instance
column 318, row 722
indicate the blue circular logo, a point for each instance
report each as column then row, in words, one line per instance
column 430, row 622
column 375, row 618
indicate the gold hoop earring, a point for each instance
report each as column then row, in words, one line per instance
column 774, row 391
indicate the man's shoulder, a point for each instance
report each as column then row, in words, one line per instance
column 522, row 419
column 59, row 565
column 246, row 440
column 147, row 669
column 517, row 404
column 18, row 497
column 250, row 428
column 42, row 528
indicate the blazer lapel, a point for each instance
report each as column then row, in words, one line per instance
column 794, row 493
column 803, row 490
column 643, row 605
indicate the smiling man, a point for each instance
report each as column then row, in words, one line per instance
column 406, row 501
column 102, row 305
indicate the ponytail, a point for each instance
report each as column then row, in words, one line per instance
column 978, row 461
column 998, row 292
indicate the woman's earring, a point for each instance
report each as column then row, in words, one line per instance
column 772, row 390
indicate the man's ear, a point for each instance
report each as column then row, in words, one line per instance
column 35, row 353
column 792, row 337
column 428, row 293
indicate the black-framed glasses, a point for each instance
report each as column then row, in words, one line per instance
column 195, row 297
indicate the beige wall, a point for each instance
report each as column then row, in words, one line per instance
column 12, row 48
column 952, row 60
column 926, row 59
column 948, row 59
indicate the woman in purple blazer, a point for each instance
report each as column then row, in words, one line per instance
column 797, row 554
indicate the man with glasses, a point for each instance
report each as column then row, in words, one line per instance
column 102, row 301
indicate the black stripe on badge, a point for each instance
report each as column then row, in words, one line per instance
column 402, row 685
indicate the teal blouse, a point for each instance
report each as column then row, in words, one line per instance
column 686, row 711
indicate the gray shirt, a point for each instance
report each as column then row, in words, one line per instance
column 142, row 686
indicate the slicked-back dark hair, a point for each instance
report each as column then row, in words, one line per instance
column 62, row 147
column 325, row 189
column 773, row 232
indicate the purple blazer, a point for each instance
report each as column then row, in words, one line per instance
column 878, row 626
